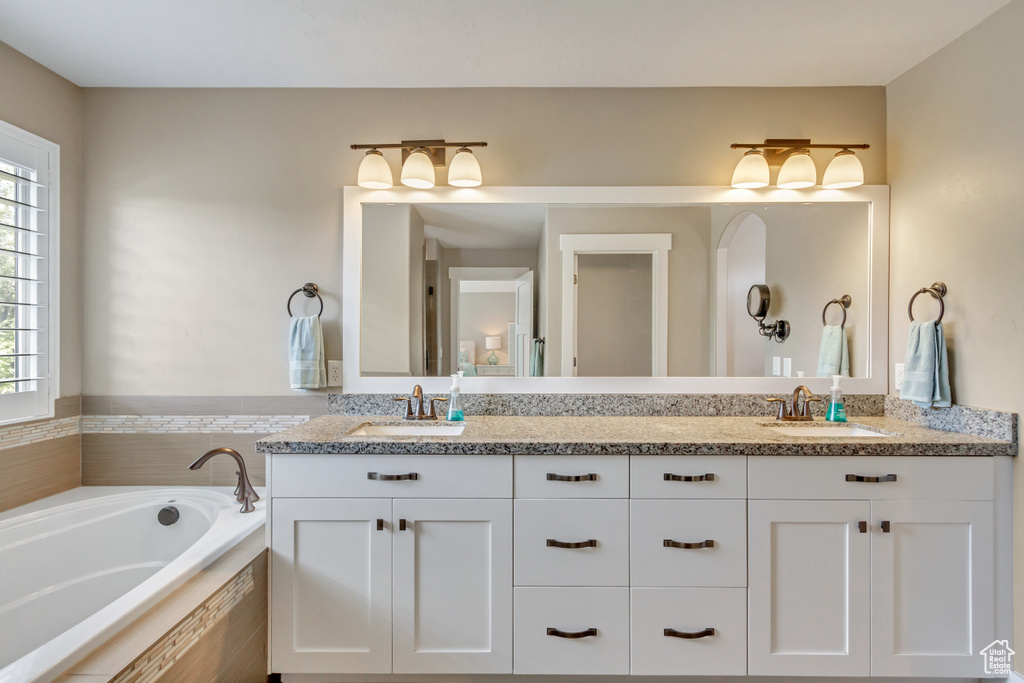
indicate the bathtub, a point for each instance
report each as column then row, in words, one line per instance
column 78, row 567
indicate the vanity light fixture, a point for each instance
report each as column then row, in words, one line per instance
column 798, row 170
column 419, row 159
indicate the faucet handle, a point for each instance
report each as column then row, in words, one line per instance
column 408, row 405
column 433, row 415
column 783, row 407
column 807, row 407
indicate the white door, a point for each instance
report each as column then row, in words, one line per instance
column 453, row 586
column 519, row 347
column 932, row 580
column 810, row 585
column 331, row 586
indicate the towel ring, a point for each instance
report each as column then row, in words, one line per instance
column 844, row 302
column 937, row 290
column 310, row 290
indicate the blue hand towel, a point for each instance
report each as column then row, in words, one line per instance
column 306, row 354
column 834, row 353
column 926, row 374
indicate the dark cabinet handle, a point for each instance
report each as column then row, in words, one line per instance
column 886, row 527
column 380, row 525
column 669, row 543
column 672, row 633
column 863, row 526
column 870, row 480
column 572, row 634
column 592, row 543
column 568, row 477
column 402, row 525
column 687, row 477
column 411, row 476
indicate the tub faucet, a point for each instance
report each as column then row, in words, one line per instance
column 244, row 492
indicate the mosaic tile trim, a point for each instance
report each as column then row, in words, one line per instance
column 961, row 419
column 176, row 642
column 625, row 405
column 189, row 424
column 44, row 430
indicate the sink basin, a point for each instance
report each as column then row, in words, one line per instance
column 408, row 430
column 844, row 431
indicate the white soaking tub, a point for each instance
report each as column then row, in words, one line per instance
column 78, row 567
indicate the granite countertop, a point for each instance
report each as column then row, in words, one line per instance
column 628, row 435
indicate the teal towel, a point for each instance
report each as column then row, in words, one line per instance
column 926, row 373
column 834, row 353
column 537, row 359
column 306, row 354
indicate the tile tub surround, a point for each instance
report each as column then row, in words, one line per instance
column 515, row 435
column 636, row 405
column 963, row 419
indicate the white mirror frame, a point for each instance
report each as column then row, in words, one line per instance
column 875, row 196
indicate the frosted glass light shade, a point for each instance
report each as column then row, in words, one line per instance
column 751, row 171
column 374, row 172
column 464, row 171
column 843, row 171
column 798, row 172
column 418, row 170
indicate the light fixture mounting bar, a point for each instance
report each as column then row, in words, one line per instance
column 435, row 149
column 777, row 150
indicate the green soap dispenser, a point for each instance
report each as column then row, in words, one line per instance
column 836, row 410
column 454, row 404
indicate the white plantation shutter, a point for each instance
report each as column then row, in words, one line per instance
column 28, row 274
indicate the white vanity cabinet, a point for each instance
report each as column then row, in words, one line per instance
column 870, row 566
column 419, row 581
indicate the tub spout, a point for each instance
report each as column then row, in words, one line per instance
column 244, row 492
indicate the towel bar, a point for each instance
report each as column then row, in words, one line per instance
column 310, row 290
column 844, row 302
column 937, row 290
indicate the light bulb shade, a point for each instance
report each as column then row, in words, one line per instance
column 374, row 172
column 843, row 171
column 751, row 171
column 464, row 170
column 418, row 170
column 798, row 172
column 492, row 343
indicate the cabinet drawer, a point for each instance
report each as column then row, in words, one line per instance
column 662, row 530
column 562, row 476
column 693, row 612
column 304, row 475
column 836, row 478
column 718, row 476
column 543, row 529
column 546, row 618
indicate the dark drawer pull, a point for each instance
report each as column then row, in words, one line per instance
column 687, row 477
column 592, row 543
column 863, row 527
column 411, row 476
column 669, row 543
column 403, row 525
column 572, row 634
column 672, row 633
column 570, row 477
column 886, row 526
column 870, row 480
column 380, row 525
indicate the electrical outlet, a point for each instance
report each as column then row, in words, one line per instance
column 334, row 373
column 898, row 384
column 776, row 366
column 787, row 367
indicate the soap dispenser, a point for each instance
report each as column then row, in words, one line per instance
column 454, row 404
column 836, row 410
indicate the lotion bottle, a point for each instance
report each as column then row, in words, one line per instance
column 454, row 405
column 836, row 410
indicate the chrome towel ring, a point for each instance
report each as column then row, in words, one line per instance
column 310, row 290
column 844, row 302
column 937, row 290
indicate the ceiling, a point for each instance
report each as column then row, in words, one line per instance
column 484, row 43
column 484, row 226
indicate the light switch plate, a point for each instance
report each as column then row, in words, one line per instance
column 776, row 366
column 334, row 373
column 787, row 367
column 898, row 383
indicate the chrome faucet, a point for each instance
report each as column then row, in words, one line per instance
column 417, row 400
column 793, row 412
column 244, row 492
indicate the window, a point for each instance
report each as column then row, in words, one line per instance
column 29, row 217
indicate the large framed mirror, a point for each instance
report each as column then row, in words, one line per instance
column 614, row 289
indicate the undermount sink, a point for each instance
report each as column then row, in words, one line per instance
column 818, row 431
column 408, row 430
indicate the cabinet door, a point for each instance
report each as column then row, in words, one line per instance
column 810, row 583
column 453, row 586
column 331, row 586
column 932, row 597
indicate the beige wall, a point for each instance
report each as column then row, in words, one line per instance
column 39, row 101
column 956, row 166
column 206, row 208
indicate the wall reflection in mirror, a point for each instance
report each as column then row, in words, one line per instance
column 521, row 290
